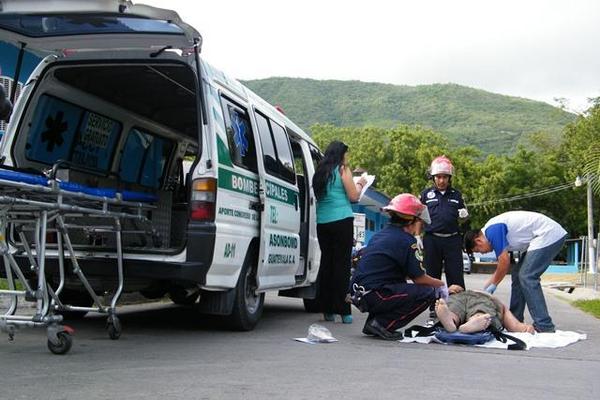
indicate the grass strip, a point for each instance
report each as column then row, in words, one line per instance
column 589, row 306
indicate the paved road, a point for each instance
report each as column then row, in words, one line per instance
column 168, row 353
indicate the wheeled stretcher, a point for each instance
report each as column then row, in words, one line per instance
column 37, row 215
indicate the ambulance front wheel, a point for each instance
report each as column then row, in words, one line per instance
column 248, row 305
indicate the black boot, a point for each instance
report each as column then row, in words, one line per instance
column 373, row 328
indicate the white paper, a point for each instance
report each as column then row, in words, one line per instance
column 369, row 178
column 309, row 341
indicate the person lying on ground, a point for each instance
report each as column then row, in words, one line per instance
column 470, row 311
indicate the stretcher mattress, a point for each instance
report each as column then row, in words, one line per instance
column 32, row 179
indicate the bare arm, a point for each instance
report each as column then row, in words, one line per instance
column 427, row 280
column 501, row 269
column 352, row 190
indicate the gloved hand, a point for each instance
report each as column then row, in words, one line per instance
column 441, row 292
column 463, row 213
column 491, row 288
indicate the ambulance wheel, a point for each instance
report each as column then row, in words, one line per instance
column 65, row 341
column 248, row 305
column 311, row 305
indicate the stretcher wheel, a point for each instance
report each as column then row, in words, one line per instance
column 113, row 326
column 65, row 341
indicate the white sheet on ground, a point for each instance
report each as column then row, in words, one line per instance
column 546, row 340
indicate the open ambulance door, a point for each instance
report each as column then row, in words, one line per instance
column 66, row 27
column 279, row 254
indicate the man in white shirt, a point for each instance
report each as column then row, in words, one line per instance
column 541, row 238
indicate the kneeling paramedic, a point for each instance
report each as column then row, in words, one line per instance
column 379, row 285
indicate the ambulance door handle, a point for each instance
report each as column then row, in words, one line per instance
column 257, row 206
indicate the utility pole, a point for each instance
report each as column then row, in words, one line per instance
column 590, row 223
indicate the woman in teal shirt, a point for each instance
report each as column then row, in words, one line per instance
column 335, row 189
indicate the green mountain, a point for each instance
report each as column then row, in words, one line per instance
column 492, row 122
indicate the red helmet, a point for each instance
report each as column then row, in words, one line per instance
column 441, row 166
column 408, row 204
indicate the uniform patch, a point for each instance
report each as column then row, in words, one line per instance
column 430, row 195
column 418, row 253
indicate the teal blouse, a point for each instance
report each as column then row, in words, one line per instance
column 335, row 205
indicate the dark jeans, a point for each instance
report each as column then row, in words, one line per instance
column 395, row 305
column 526, row 288
column 335, row 240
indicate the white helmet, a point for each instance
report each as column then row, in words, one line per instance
column 441, row 166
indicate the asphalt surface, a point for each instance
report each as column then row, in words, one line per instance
column 169, row 352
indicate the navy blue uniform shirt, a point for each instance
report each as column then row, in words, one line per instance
column 390, row 257
column 443, row 209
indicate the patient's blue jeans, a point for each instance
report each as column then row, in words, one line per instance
column 526, row 287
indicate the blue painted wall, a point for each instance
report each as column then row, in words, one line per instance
column 375, row 221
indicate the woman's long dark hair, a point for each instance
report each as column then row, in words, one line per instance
column 334, row 157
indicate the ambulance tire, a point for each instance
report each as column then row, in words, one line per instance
column 312, row 305
column 248, row 305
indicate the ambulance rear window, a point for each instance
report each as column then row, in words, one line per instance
column 48, row 25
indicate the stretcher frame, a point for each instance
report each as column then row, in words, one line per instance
column 36, row 203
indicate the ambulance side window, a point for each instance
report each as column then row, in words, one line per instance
column 266, row 142
column 284, row 153
column 277, row 153
column 239, row 135
column 316, row 156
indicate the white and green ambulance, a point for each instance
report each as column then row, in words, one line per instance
column 122, row 98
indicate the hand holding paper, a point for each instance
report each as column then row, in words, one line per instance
column 366, row 180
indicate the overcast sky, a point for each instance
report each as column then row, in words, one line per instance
column 538, row 49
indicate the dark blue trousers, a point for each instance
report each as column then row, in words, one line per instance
column 444, row 253
column 395, row 305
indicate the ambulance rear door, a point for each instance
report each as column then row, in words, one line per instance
column 62, row 27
